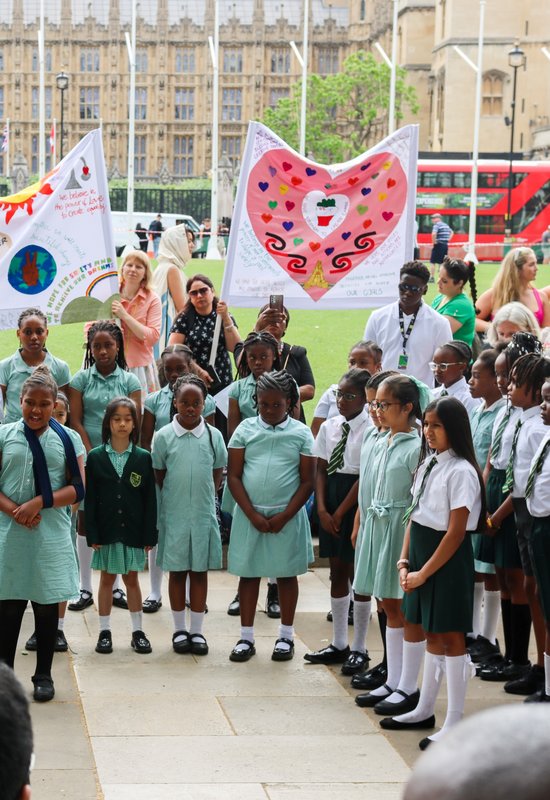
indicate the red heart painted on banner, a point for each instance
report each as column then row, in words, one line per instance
column 324, row 206
column 267, row 217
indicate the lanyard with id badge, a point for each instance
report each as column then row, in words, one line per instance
column 403, row 358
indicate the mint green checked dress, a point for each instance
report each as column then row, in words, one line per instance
column 118, row 558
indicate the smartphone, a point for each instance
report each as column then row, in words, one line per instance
column 276, row 302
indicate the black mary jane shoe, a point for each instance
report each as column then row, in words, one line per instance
column 84, row 601
column 328, row 655
column 119, row 599
column 234, row 607
column 151, row 606
column 372, row 679
column 425, row 743
column 391, row 724
column 61, row 644
column 355, row 662
column 408, row 703
column 369, row 700
column 242, row 653
column 43, row 688
column 199, row 646
column 272, row 607
column 184, row 645
column 283, row 653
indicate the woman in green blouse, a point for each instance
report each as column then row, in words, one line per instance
column 452, row 303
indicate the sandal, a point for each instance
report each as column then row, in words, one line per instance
column 244, row 653
column 151, row 606
column 283, row 653
column 184, row 645
column 199, row 646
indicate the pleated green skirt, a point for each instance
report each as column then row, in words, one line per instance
column 119, row 559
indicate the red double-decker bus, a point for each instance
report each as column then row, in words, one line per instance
column 443, row 186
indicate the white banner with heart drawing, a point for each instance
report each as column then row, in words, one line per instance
column 323, row 236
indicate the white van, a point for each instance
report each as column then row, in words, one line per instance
column 124, row 236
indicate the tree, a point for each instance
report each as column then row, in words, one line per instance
column 346, row 112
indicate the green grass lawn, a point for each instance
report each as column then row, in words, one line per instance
column 327, row 335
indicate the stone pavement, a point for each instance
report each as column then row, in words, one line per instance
column 186, row 728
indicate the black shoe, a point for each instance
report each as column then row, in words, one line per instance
column 504, row 672
column 350, row 613
column 369, row 700
column 328, row 655
column 372, row 679
column 140, row 643
column 329, row 616
column 151, row 606
column 104, row 643
column 119, row 598
column 496, row 660
column 243, row 654
column 482, row 649
column 184, row 645
column 30, row 644
column 409, row 703
column 199, row 646
column 391, row 724
column 43, row 688
column 538, row 697
column 425, row 743
column 283, row 653
column 529, row 683
column 61, row 645
column 234, row 607
column 355, row 662
column 83, row 601
column 272, row 607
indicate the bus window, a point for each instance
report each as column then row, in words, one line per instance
column 492, row 224
column 532, row 208
column 435, row 180
column 462, row 180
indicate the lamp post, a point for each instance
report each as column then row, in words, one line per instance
column 516, row 59
column 62, row 83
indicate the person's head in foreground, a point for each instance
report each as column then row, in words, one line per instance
column 16, row 743
column 500, row 754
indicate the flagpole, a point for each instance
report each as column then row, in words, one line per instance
column 303, row 106
column 393, row 73
column 131, row 45
column 41, row 98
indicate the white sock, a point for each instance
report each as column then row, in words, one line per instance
column 60, row 623
column 340, row 610
column 85, row 554
column 155, row 575
column 179, row 623
column 547, row 674
column 105, row 623
column 491, row 614
column 394, row 649
column 187, row 590
column 431, row 681
column 361, row 619
column 197, row 619
column 458, row 671
column 247, row 633
column 413, row 654
column 478, row 601
column 285, row 632
column 271, row 581
column 136, row 618
column 118, row 585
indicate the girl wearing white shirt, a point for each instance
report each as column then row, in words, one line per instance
column 436, row 568
column 449, row 365
column 338, row 448
column 538, row 504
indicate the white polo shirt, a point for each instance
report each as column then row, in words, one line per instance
column 500, row 461
column 330, row 433
column 431, row 330
column 538, row 504
column 460, row 391
column 452, row 483
column 532, row 431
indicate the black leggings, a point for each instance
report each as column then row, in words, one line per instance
column 45, row 625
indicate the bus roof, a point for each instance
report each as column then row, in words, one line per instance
column 498, row 165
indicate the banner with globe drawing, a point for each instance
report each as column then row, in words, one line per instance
column 57, row 249
column 323, row 236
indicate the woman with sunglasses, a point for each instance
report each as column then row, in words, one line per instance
column 514, row 282
column 195, row 325
column 451, row 301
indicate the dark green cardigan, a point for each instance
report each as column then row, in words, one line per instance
column 120, row 509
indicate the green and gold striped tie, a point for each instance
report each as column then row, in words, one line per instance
column 509, row 482
column 418, row 495
column 337, row 457
column 497, row 441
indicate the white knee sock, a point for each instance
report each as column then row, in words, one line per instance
column 104, row 623
column 155, row 575
column 247, row 633
column 458, row 670
column 136, row 618
column 179, row 620
column 85, row 554
column 431, row 681
column 491, row 613
column 394, row 649
column 361, row 619
column 187, row 589
column 413, row 653
column 547, row 674
column 60, row 623
column 478, row 601
column 340, row 610
column 197, row 619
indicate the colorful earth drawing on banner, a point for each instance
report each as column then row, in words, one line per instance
column 32, row 269
column 320, row 226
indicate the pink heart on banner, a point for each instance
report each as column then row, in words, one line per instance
column 329, row 238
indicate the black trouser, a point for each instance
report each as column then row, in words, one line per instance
column 45, row 625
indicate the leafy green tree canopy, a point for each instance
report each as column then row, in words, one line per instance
column 346, row 112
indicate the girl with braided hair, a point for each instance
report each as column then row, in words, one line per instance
column 188, row 459
column 450, row 364
column 452, row 303
column 270, row 476
column 104, row 376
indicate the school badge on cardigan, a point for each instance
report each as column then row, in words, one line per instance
column 135, row 479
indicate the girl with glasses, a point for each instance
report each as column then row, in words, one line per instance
column 450, row 365
column 337, row 448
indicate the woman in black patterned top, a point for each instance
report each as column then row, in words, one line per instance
column 194, row 326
